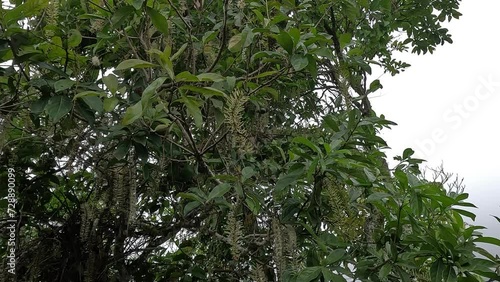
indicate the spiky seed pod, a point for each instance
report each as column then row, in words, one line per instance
column 132, row 197
column 233, row 114
column 51, row 12
column 258, row 274
column 278, row 245
column 291, row 246
column 234, row 233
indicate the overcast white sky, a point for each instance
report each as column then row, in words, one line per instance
column 447, row 107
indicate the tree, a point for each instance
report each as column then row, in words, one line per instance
column 221, row 141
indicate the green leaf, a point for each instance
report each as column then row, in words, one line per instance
column 137, row 4
column 246, row 173
column 215, row 77
column 109, row 104
column 57, row 107
column 25, row 10
column 377, row 196
column 190, row 206
column 150, row 91
column 332, row 277
column 496, row 217
column 334, row 256
column 384, row 271
column 158, row 20
column 134, row 63
column 466, row 213
column 286, row 180
column 95, row 103
column 122, row 150
column 437, row 270
column 305, row 141
column 193, row 108
column 209, row 91
column 186, row 76
column 285, row 41
column 132, row 114
column 198, row 272
column 299, row 62
column 219, row 191
column 111, row 82
column 179, row 52
column 309, row 274
column 345, row 39
column 236, row 43
column 63, row 84
column 74, row 38
column 88, row 93
column 449, row 274
column 253, row 205
column 489, row 240
column 121, row 14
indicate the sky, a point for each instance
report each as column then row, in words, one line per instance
column 447, row 105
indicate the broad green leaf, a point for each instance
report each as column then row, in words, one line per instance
column 449, row 274
column 109, row 104
column 236, row 43
column 179, row 52
column 38, row 106
column 377, row 196
column 305, row 141
column 186, row 76
column 295, row 35
column 334, row 256
column 111, row 82
column 88, row 93
column 132, row 114
column 285, row 41
column 332, row 277
column 190, row 206
column 121, row 150
column 63, row 84
column 94, row 102
column 193, row 108
column 25, row 10
column 150, row 91
column 489, row 240
column 246, row 173
column 209, row 91
column 57, row 107
column 466, row 213
column 468, row 278
column 137, row 4
column 219, row 191
column 240, row 40
column 215, row 77
column 437, row 270
column 309, row 274
column 345, row 39
column 190, row 196
column 299, row 62
column 253, row 205
column 134, row 63
column 286, row 180
column 74, row 38
column 158, row 20
column 384, row 271
column 121, row 14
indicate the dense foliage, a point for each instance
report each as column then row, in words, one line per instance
column 221, row 140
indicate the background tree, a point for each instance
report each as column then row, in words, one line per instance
column 221, row 141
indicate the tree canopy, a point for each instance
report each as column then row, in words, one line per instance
column 221, row 140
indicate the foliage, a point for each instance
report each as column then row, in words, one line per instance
column 223, row 141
